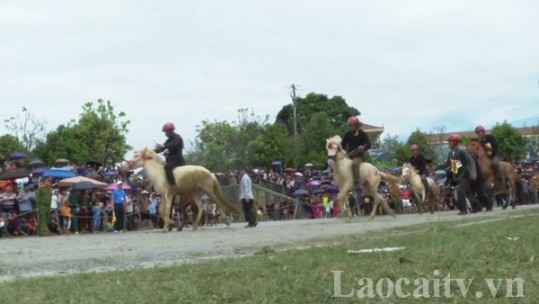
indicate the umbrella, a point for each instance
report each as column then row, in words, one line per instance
column 276, row 163
column 77, row 179
column 331, row 190
column 13, row 175
column 36, row 162
column 315, row 182
column 59, row 172
column 318, row 191
column 61, row 161
column 300, row 192
column 110, row 172
column 440, row 172
column 83, row 186
column 113, row 186
column 289, row 169
column 298, row 174
column 39, row 171
column 16, row 155
column 308, row 165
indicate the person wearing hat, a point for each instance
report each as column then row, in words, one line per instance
column 118, row 198
column 464, row 171
column 355, row 141
column 43, row 206
column 144, row 203
column 419, row 162
column 174, row 147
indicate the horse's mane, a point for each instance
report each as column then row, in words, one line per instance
column 154, row 154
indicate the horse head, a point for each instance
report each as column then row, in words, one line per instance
column 406, row 171
column 138, row 159
column 475, row 148
column 333, row 145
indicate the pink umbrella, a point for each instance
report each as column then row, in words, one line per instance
column 113, row 186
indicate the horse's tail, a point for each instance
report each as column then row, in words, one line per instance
column 392, row 181
column 219, row 193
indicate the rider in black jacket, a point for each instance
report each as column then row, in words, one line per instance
column 174, row 146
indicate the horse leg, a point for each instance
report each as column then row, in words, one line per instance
column 200, row 207
column 165, row 214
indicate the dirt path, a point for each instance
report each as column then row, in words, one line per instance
column 39, row 256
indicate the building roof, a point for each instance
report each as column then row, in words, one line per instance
column 373, row 132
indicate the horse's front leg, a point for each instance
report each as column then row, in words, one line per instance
column 166, row 216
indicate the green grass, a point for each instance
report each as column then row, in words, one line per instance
column 473, row 251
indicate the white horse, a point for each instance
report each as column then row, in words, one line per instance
column 370, row 177
column 191, row 183
column 409, row 174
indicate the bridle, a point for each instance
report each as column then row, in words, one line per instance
column 143, row 156
column 331, row 146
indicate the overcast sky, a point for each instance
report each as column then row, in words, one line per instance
column 403, row 64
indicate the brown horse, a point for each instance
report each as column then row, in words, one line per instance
column 409, row 174
column 507, row 171
column 370, row 177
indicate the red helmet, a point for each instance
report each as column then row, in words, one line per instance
column 414, row 147
column 352, row 120
column 479, row 129
column 168, row 127
column 454, row 138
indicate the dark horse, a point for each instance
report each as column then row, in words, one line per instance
column 507, row 171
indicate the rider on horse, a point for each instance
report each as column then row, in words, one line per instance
column 174, row 146
column 491, row 147
column 419, row 162
column 355, row 142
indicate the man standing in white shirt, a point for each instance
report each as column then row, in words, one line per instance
column 247, row 198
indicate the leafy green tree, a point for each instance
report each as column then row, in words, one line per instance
column 511, row 145
column 271, row 144
column 99, row 135
column 336, row 109
column 10, row 144
column 312, row 141
column 419, row 138
column 212, row 148
column 392, row 153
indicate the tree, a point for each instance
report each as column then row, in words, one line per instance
column 312, row 141
column 336, row 109
column 99, row 135
column 392, row 153
column 10, row 144
column 271, row 144
column 511, row 145
column 27, row 129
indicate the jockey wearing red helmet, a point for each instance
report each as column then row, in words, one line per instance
column 174, row 146
column 463, row 170
column 490, row 144
column 355, row 142
column 419, row 162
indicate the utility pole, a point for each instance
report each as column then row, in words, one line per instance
column 294, row 104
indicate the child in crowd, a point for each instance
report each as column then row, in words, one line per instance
column 66, row 216
column 14, row 224
column 97, row 213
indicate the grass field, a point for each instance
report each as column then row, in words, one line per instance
column 486, row 260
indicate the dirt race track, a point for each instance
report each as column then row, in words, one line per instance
column 22, row 257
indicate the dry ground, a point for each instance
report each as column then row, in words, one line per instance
column 55, row 255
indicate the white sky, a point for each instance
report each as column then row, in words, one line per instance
column 403, row 64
